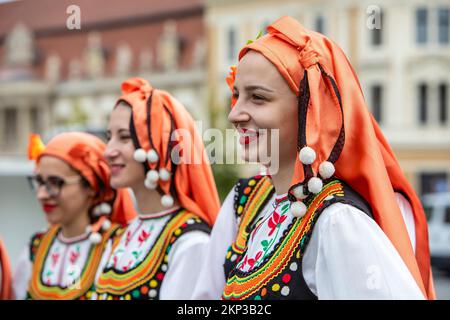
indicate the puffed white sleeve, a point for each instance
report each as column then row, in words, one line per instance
column 212, row 277
column 184, row 262
column 350, row 257
column 22, row 275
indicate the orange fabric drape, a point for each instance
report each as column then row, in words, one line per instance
column 6, row 280
column 172, row 125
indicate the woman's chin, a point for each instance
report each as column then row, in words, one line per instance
column 117, row 183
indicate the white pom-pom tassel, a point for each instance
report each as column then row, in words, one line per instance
column 97, row 211
column 167, row 201
column 88, row 229
column 326, row 169
column 164, row 175
column 106, row 225
column 298, row 192
column 149, row 184
column 315, row 185
column 105, row 208
column 307, row 155
column 153, row 176
column 140, row 155
column 95, row 238
column 298, row 209
column 152, row 156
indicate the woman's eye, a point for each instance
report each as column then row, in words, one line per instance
column 125, row 137
column 258, row 97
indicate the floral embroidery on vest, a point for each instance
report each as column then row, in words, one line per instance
column 144, row 274
column 46, row 251
column 274, row 273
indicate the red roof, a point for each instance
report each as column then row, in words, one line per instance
column 139, row 23
column 50, row 15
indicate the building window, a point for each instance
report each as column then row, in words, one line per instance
column 433, row 182
column 443, row 103
column 447, row 215
column 443, row 25
column 10, row 127
column 422, row 25
column 319, row 24
column 423, row 103
column 377, row 33
column 231, row 44
column 377, row 101
column 35, row 117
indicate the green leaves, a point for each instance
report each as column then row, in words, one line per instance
column 265, row 244
column 260, row 34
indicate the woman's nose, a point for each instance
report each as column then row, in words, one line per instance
column 238, row 113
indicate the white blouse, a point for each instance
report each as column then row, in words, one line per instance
column 348, row 256
column 63, row 266
column 184, row 260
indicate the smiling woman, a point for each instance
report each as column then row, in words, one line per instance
column 159, row 254
column 338, row 220
column 71, row 181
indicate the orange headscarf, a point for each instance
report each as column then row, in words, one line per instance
column 5, row 280
column 84, row 153
column 161, row 123
column 335, row 122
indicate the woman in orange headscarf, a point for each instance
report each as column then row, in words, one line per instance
column 155, row 150
column 335, row 218
column 5, row 274
column 71, row 181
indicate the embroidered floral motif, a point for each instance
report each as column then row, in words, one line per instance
column 74, row 255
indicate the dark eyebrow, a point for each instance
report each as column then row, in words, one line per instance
column 255, row 87
column 118, row 131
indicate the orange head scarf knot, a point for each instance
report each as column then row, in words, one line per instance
column 171, row 150
column 338, row 137
column 137, row 85
column 84, row 153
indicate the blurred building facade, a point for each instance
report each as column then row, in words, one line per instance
column 404, row 66
column 54, row 78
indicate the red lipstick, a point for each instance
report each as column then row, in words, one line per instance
column 48, row 208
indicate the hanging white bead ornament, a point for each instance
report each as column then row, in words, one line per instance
column 150, row 184
column 307, row 155
column 315, row 185
column 95, row 238
column 298, row 209
column 105, row 208
column 140, row 155
column 97, row 211
column 164, row 175
column 152, row 156
column 298, row 192
column 106, row 225
column 88, row 229
column 153, row 176
column 167, row 201
column 326, row 169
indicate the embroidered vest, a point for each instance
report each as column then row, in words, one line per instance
column 39, row 250
column 144, row 281
column 280, row 275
